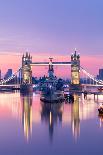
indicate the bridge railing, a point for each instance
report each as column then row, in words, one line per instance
column 4, row 81
column 91, row 76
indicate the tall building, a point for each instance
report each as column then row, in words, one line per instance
column 8, row 74
column 101, row 74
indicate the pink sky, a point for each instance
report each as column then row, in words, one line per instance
column 89, row 62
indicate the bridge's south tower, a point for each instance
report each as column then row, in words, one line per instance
column 26, row 69
column 26, row 82
column 75, row 71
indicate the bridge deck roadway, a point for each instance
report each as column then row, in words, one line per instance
column 10, row 85
column 92, row 85
column 48, row 63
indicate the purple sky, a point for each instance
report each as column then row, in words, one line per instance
column 56, row 26
column 51, row 28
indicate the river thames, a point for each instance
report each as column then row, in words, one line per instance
column 28, row 126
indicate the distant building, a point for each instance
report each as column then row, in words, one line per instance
column 8, row 74
column 101, row 74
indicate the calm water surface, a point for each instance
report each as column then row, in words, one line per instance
column 29, row 127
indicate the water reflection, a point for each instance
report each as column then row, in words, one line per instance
column 55, row 113
column 33, row 112
column 27, row 115
column 75, row 120
column 51, row 114
column 64, row 122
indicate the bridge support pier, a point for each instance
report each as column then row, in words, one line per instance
column 75, row 72
column 94, row 97
column 26, row 82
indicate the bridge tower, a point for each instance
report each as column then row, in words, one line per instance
column 51, row 69
column 26, row 82
column 75, row 71
column 26, row 69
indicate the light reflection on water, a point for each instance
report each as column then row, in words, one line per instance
column 33, row 127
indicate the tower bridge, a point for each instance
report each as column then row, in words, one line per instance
column 26, row 72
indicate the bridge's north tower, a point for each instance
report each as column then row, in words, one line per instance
column 75, row 71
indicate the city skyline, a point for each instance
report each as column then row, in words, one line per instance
column 14, row 62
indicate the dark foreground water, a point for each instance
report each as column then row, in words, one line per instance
column 28, row 127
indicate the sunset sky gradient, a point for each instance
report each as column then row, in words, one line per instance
column 51, row 28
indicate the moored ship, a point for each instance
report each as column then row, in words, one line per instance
column 50, row 94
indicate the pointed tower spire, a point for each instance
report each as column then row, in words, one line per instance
column 26, row 54
column 75, row 52
column 29, row 55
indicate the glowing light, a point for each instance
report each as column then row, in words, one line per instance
column 50, row 118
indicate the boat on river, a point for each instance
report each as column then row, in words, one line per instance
column 52, row 98
column 50, row 94
column 100, row 89
column 100, row 109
